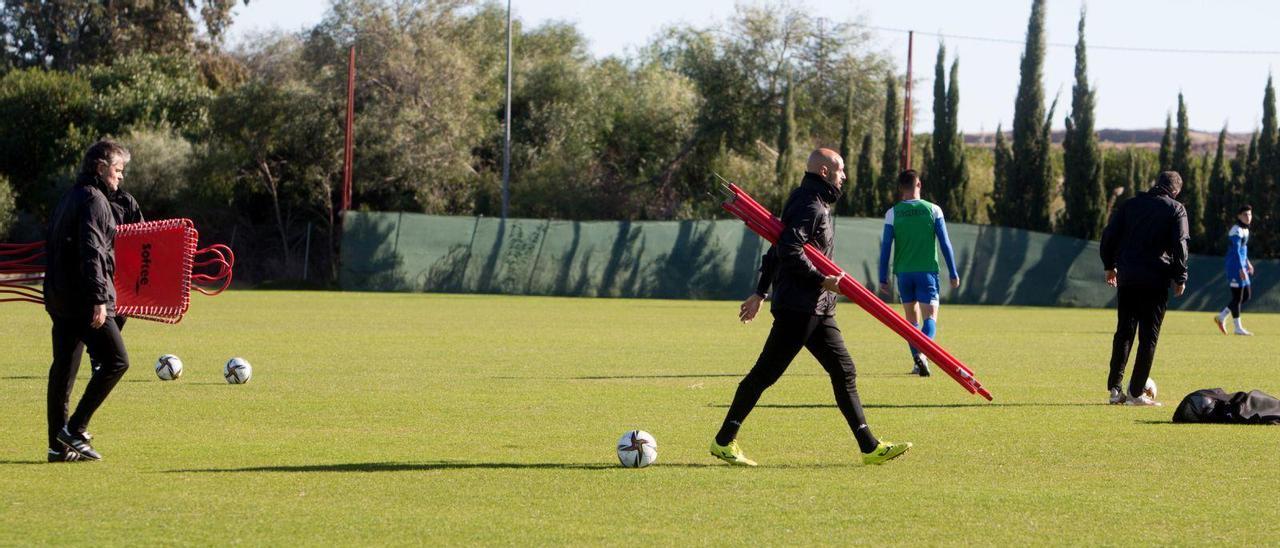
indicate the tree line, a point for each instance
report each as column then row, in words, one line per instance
column 247, row 140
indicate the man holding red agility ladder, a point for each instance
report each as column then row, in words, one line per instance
column 803, row 309
column 80, row 296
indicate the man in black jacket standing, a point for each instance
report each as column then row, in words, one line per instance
column 125, row 210
column 80, row 297
column 1144, row 252
column 804, row 303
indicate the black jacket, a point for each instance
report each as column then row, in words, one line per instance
column 125, row 208
column 81, row 261
column 1146, row 241
column 806, row 219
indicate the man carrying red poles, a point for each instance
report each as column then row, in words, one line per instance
column 803, row 308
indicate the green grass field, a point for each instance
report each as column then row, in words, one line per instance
column 453, row 419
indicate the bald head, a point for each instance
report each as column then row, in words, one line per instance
column 827, row 164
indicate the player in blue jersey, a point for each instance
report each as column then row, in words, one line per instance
column 1239, row 271
column 913, row 231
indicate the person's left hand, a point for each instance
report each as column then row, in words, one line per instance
column 750, row 308
column 1111, row 277
column 955, row 283
column 1179, row 289
column 1250, row 269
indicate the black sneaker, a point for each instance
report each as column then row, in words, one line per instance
column 922, row 366
column 65, row 455
column 78, row 443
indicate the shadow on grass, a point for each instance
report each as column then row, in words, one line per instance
column 435, row 465
column 25, row 378
column 462, row 465
column 911, row 405
column 21, row 462
column 689, row 376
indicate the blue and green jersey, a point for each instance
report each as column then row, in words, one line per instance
column 913, row 231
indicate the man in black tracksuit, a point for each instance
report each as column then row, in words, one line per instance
column 1144, row 252
column 804, row 303
column 80, row 296
column 125, row 210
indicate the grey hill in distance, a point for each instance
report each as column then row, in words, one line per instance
column 1144, row 138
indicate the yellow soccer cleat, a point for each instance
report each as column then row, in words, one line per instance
column 731, row 454
column 885, row 452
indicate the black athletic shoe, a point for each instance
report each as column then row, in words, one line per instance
column 65, row 455
column 79, row 443
column 922, row 366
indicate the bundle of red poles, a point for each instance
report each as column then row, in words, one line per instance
column 20, row 267
column 760, row 221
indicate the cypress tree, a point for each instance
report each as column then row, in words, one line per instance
column 785, row 167
column 890, row 157
column 1083, row 192
column 1028, row 199
column 939, row 180
column 1264, row 175
column 960, row 208
column 1166, row 145
column 1218, row 205
column 1192, row 194
column 847, row 205
column 846, row 129
column 1236, row 184
column 865, row 200
column 998, row 210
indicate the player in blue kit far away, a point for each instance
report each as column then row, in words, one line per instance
column 913, row 231
column 1239, row 271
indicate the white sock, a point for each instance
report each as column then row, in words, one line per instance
column 1239, row 326
column 1223, row 315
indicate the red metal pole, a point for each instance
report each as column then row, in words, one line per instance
column 348, row 156
column 906, row 107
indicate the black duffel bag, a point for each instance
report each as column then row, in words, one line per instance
column 1218, row 406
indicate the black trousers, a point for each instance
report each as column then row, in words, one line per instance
column 792, row 331
column 71, row 336
column 1139, row 309
column 93, row 363
column 1239, row 296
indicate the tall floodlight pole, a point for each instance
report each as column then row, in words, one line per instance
column 506, row 127
column 348, row 158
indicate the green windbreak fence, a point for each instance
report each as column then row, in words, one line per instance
column 718, row 260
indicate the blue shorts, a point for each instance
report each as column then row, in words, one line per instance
column 1235, row 281
column 918, row 287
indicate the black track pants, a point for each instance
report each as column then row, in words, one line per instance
column 106, row 347
column 1239, row 296
column 792, row 331
column 1139, row 309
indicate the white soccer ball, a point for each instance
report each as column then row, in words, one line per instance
column 637, row 449
column 237, row 371
column 168, row 367
column 1150, row 390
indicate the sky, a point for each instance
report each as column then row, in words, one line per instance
column 1136, row 89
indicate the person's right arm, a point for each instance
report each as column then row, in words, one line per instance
column 1179, row 235
column 768, row 267
column 1109, row 248
column 886, row 247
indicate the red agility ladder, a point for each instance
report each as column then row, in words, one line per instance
column 155, row 263
column 760, row 221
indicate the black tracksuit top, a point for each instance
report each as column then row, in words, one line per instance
column 80, row 265
column 806, row 219
column 1146, row 241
